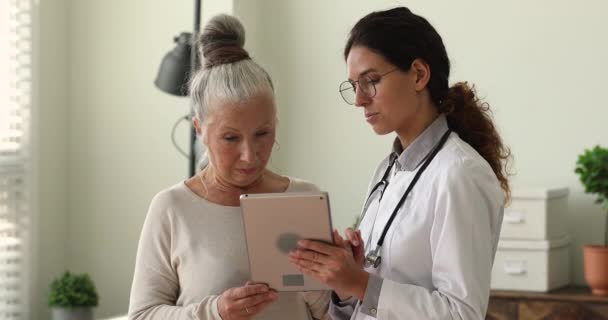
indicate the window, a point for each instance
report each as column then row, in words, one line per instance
column 15, row 101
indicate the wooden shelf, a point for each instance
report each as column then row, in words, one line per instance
column 573, row 302
column 572, row 293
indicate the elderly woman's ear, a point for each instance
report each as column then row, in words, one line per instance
column 197, row 126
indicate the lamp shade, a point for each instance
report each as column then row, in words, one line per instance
column 174, row 72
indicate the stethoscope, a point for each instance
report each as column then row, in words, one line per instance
column 373, row 257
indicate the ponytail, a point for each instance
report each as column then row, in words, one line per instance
column 471, row 119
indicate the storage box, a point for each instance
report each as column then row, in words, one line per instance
column 531, row 265
column 536, row 214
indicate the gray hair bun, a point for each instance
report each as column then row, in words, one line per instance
column 222, row 41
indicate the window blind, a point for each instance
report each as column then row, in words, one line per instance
column 15, row 102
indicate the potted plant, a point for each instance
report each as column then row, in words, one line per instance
column 72, row 297
column 592, row 168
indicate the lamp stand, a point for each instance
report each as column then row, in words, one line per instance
column 194, row 65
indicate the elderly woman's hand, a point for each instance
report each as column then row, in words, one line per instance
column 333, row 265
column 243, row 303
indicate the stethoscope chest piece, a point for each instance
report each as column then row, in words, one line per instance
column 373, row 259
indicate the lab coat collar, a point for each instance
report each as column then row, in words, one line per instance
column 414, row 154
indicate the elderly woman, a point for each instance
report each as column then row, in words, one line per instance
column 192, row 259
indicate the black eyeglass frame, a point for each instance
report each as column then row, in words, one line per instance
column 353, row 87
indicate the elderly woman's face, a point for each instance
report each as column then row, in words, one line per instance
column 240, row 137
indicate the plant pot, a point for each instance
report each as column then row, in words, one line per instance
column 80, row 313
column 595, row 259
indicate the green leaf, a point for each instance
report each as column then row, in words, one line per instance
column 592, row 169
column 73, row 291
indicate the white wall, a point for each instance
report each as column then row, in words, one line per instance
column 50, row 158
column 120, row 152
column 540, row 64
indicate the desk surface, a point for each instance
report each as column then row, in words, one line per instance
column 570, row 293
column 573, row 302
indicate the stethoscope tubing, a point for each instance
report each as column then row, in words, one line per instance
column 373, row 258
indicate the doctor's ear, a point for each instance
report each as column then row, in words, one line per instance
column 423, row 73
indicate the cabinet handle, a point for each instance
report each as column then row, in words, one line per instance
column 513, row 217
column 515, row 268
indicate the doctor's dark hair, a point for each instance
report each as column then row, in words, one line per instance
column 401, row 36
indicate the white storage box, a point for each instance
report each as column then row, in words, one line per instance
column 536, row 214
column 531, row 265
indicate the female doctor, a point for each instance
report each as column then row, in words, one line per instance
column 430, row 225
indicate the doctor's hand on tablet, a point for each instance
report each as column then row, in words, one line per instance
column 340, row 266
column 356, row 245
column 243, row 303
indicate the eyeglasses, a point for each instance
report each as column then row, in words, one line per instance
column 367, row 85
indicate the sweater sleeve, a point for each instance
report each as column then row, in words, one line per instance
column 155, row 287
column 317, row 303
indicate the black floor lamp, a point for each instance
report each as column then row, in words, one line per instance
column 175, row 71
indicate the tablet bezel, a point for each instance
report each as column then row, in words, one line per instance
column 303, row 216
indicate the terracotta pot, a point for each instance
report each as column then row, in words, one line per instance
column 595, row 259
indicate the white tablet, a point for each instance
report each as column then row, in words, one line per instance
column 274, row 222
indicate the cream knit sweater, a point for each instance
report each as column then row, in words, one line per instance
column 191, row 250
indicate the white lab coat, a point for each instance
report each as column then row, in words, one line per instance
column 438, row 253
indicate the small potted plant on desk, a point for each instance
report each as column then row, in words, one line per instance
column 592, row 168
column 73, row 297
